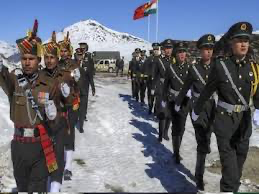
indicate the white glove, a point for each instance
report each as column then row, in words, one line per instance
column 50, row 109
column 256, row 118
column 189, row 94
column 76, row 74
column 1, row 64
column 65, row 89
column 152, row 92
column 177, row 108
column 194, row 116
column 163, row 103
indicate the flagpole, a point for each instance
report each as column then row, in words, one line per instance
column 148, row 28
column 157, row 22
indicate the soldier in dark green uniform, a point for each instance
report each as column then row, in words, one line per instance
column 143, row 77
column 66, row 63
column 177, row 71
column 32, row 108
column 159, row 74
column 86, row 80
column 235, row 79
column 87, row 56
column 196, row 80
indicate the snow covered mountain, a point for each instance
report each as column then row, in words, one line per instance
column 101, row 38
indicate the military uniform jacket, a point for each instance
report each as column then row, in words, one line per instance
column 43, row 89
column 175, row 76
column 242, row 75
column 86, row 78
column 193, row 82
column 134, row 68
column 89, row 62
column 159, row 73
column 148, row 67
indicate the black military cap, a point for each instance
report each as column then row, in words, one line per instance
column 181, row 46
column 137, row 50
column 168, row 43
column 206, row 40
column 82, row 44
column 155, row 45
column 240, row 29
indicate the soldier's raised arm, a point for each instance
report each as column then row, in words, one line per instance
column 6, row 80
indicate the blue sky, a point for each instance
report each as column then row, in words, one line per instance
column 178, row 19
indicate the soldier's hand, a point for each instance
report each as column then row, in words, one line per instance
column 50, row 109
column 194, row 116
column 177, row 108
column 163, row 103
column 65, row 89
column 93, row 92
column 152, row 92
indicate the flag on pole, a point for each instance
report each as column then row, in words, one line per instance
column 145, row 10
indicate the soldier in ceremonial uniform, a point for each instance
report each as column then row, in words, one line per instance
column 196, row 80
column 51, row 57
column 87, row 57
column 159, row 74
column 70, row 65
column 235, row 78
column 31, row 97
column 143, row 77
column 85, row 80
column 177, row 71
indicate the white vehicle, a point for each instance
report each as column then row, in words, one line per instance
column 106, row 65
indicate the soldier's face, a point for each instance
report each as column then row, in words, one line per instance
column 30, row 63
column 240, row 46
column 168, row 51
column 206, row 53
column 51, row 61
column 157, row 52
column 181, row 56
column 64, row 53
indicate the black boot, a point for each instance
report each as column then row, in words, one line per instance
column 176, row 148
column 199, row 170
column 67, row 175
column 81, row 130
column 161, row 129
column 165, row 132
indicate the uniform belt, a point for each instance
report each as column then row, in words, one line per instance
column 232, row 108
column 26, row 139
column 26, row 132
column 174, row 92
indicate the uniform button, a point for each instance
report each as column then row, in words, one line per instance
column 222, row 113
column 180, row 88
column 207, row 76
column 240, row 76
column 240, row 89
column 181, row 74
column 240, row 65
column 239, row 100
column 226, row 80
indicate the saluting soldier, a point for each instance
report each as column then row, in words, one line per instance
column 85, row 80
column 51, row 57
column 32, row 108
column 235, row 78
column 70, row 65
column 159, row 74
column 195, row 81
column 177, row 71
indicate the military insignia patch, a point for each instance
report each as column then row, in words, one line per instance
column 209, row 38
column 243, row 27
column 251, row 74
column 43, row 97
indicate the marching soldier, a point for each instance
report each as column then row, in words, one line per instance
column 148, row 69
column 177, row 71
column 196, row 80
column 143, row 77
column 119, row 66
column 52, row 71
column 67, row 64
column 236, row 79
column 85, row 80
column 33, row 107
column 158, row 75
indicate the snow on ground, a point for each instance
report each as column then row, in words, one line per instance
column 119, row 151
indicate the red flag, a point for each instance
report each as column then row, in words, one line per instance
column 139, row 12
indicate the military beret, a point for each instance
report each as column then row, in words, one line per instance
column 206, row 40
column 168, row 43
column 181, row 46
column 240, row 29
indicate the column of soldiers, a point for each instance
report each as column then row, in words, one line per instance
column 45, row 108
column 218, row 90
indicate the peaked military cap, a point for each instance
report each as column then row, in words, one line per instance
column 83, row 45
column 240, row 29
column 155, row 45
column 137, row 50
column 31, row 44
column 206, row 40
column 181, row 46
column 168, row 43
column 52, row 47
